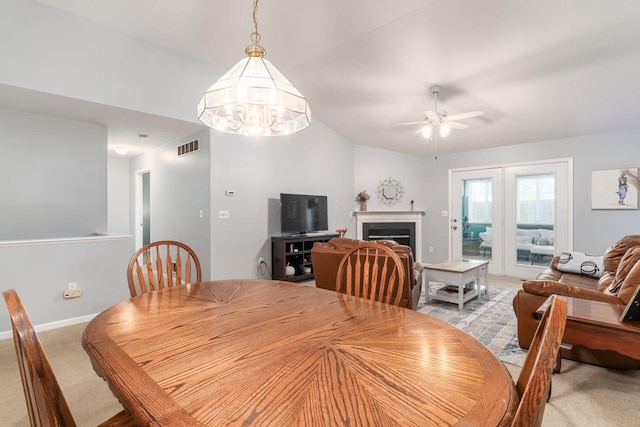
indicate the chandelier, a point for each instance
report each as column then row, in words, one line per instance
column 254, row 98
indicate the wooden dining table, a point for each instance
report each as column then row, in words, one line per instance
column 270, row 353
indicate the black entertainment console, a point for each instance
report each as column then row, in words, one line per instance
column 295, row 251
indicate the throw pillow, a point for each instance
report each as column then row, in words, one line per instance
column 580, row 263
column 545, row 241
column 628, row 261
column 549, row 234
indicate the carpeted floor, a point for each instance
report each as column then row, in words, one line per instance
column 490, row 320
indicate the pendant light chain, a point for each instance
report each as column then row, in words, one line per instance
column 255, row 36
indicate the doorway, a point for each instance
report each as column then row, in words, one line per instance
column 143, row 208
column 516, row 216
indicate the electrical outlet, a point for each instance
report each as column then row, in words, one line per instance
column 72, row 293
column 260, row 261
column 223, row 214
column 430, row 248
column 71, row 286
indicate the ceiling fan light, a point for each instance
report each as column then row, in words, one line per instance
column 445, row 129
column 426, row 131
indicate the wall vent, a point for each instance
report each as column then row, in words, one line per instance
column 187, row 148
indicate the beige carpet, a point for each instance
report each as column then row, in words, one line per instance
column 583, row 395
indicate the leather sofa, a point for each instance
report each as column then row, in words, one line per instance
column 326, row 257
column 621, row 265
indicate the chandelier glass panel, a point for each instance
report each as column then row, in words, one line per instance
column 254, row 98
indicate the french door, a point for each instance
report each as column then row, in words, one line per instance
column 515, row 216
column 476, row 216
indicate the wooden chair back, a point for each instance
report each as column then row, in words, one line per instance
column 371, row 270
column 534, row 382
column 45, row 402
column 165, row 263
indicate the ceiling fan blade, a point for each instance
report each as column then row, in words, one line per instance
column 465, row 115
column 410, row 123
column 432, row 115
column 456, row 125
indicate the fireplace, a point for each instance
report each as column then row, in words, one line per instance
column 402, row 232
column 405, row 227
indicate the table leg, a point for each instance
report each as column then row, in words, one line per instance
column 426, row 287
column 461, row 295
column 486, row 279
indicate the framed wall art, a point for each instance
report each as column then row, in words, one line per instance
column 614, row 189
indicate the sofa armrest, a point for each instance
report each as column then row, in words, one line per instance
column 547, row 288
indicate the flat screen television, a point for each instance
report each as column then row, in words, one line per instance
column 303, row 213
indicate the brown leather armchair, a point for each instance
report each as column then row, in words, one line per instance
column 326, row 257
column 613, row 289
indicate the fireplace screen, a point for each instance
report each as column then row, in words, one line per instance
column 402, row 232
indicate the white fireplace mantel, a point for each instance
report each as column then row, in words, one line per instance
column 415, row 217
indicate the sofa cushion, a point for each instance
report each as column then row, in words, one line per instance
column 630, row 284
column 530, row 233
column 545, row 288
column 524, row 240
column 629, row 260
column 614, row 254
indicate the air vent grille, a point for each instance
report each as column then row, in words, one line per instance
column 187, row 148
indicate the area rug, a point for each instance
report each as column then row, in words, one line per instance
column 490, row 320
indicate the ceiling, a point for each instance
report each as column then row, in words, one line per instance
column 540, row 70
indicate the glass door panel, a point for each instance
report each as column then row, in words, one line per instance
column 476, row 204
column 536, row 216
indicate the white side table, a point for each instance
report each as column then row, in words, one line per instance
column 460, row 279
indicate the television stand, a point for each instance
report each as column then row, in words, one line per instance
column 295, row 251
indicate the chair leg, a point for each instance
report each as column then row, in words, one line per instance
column 558, row 365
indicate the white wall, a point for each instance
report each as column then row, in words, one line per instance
column 372, row 166
column 54, row 52
column 179, row 191
column 314, row 161
column 118, row 219
column 54, row 174
column 40, row 272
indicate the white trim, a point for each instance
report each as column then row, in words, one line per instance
column 503, row 165
column 53, row 325
column 392, row 216
column 81, row 239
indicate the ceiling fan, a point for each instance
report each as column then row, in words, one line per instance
column 440, row 120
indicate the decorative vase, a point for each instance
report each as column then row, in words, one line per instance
column 341, row 234
column 363, row 206
column 289, row 270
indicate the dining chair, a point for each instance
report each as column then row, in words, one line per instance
column 534, row 382
column 371, row 270
column 45, row 402
column 165, row 263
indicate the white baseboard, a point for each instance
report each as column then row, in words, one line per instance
column 53, row 325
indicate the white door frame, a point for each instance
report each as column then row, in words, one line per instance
column 497, row 266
